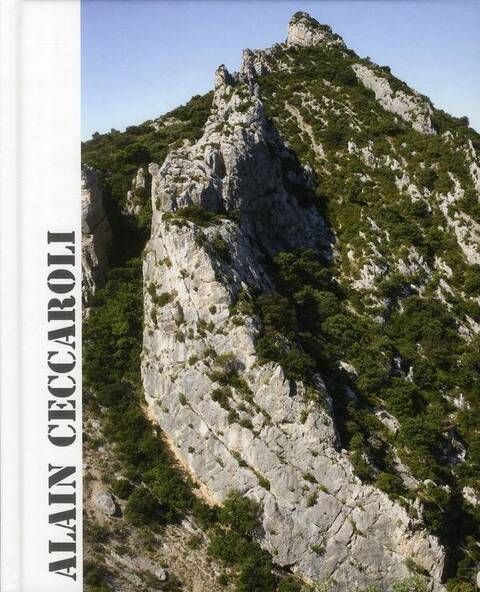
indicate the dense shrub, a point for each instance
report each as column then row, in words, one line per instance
column 95, row 578
column 122, row 488
column 142, row 507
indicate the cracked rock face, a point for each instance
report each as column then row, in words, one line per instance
column 96, row 235
column 411, row 108
column 260, row 434
column 106, row 503
column 304, row 30
column 240, row 165
column 132, row 202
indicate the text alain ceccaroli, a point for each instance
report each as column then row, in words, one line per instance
column 63, row 404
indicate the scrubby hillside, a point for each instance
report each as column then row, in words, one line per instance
column 306, row 321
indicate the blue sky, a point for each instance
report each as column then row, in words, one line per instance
column 141, row 58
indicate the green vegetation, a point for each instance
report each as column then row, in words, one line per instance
column 314, row 319
column 122, row 488
column 95, row 578
column 120, row 154
column 233, row 543
column 307, row 326
column 157, row 492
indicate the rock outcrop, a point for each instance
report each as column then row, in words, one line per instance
column 133, row 203
column 105, row 503
column 304, row 30
column 234, row 423
column 241, row 165
column 96, row 236
column 410, row 107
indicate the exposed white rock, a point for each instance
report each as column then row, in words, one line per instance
column 304, row 30
column 460, row 402
column 390, row 422
column 456, row 451
column 471, row 496
column 474, row 165
column 442, row 266
column 404, row 473
column 268, row 439
column 161, row 574
column 411, row 108
column 467, row 230
column 369, row 273
column 414, row 264
column 105, row 503
column 220, row 173
column 348, row 368
column 305, row 127
column 133, row 203
column 96, row 235
column 405, row 184
column 365, row 153
column 161, row 122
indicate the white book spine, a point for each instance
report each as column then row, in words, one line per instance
column 40, row 189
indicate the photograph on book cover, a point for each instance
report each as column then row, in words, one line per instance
column 281, row 289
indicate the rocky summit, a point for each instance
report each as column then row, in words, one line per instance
column 282, row 350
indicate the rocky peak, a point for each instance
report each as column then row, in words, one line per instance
column 240, row 164
column 223, row 77
column 304, row 30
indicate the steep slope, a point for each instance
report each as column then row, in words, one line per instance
column 236, row 424
column 399, row 185
column 311, row 315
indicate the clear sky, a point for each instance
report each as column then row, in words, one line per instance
column 141, row 58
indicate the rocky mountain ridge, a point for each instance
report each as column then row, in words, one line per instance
column 310, row 158
column 276, row 436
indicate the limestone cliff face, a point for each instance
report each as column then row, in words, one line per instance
column 234, row 423
column 305, row 30
column 410, row 107
column 133, row 200
column 96, row 235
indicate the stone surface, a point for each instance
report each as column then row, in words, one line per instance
column 133, row 203
column 161, row 574
column 96, row 235
column 410, row 107
column 106, row 503
column 270, row 441
column 304, row 30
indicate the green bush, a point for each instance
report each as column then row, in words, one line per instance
column 240, row 513
column 122, row 488
column 220, row 249
column 95, row 578
column 163, row 299
column 389, row 483
column 290, row 584
column 471, row 283
column 141, row 507
column 256, row 575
